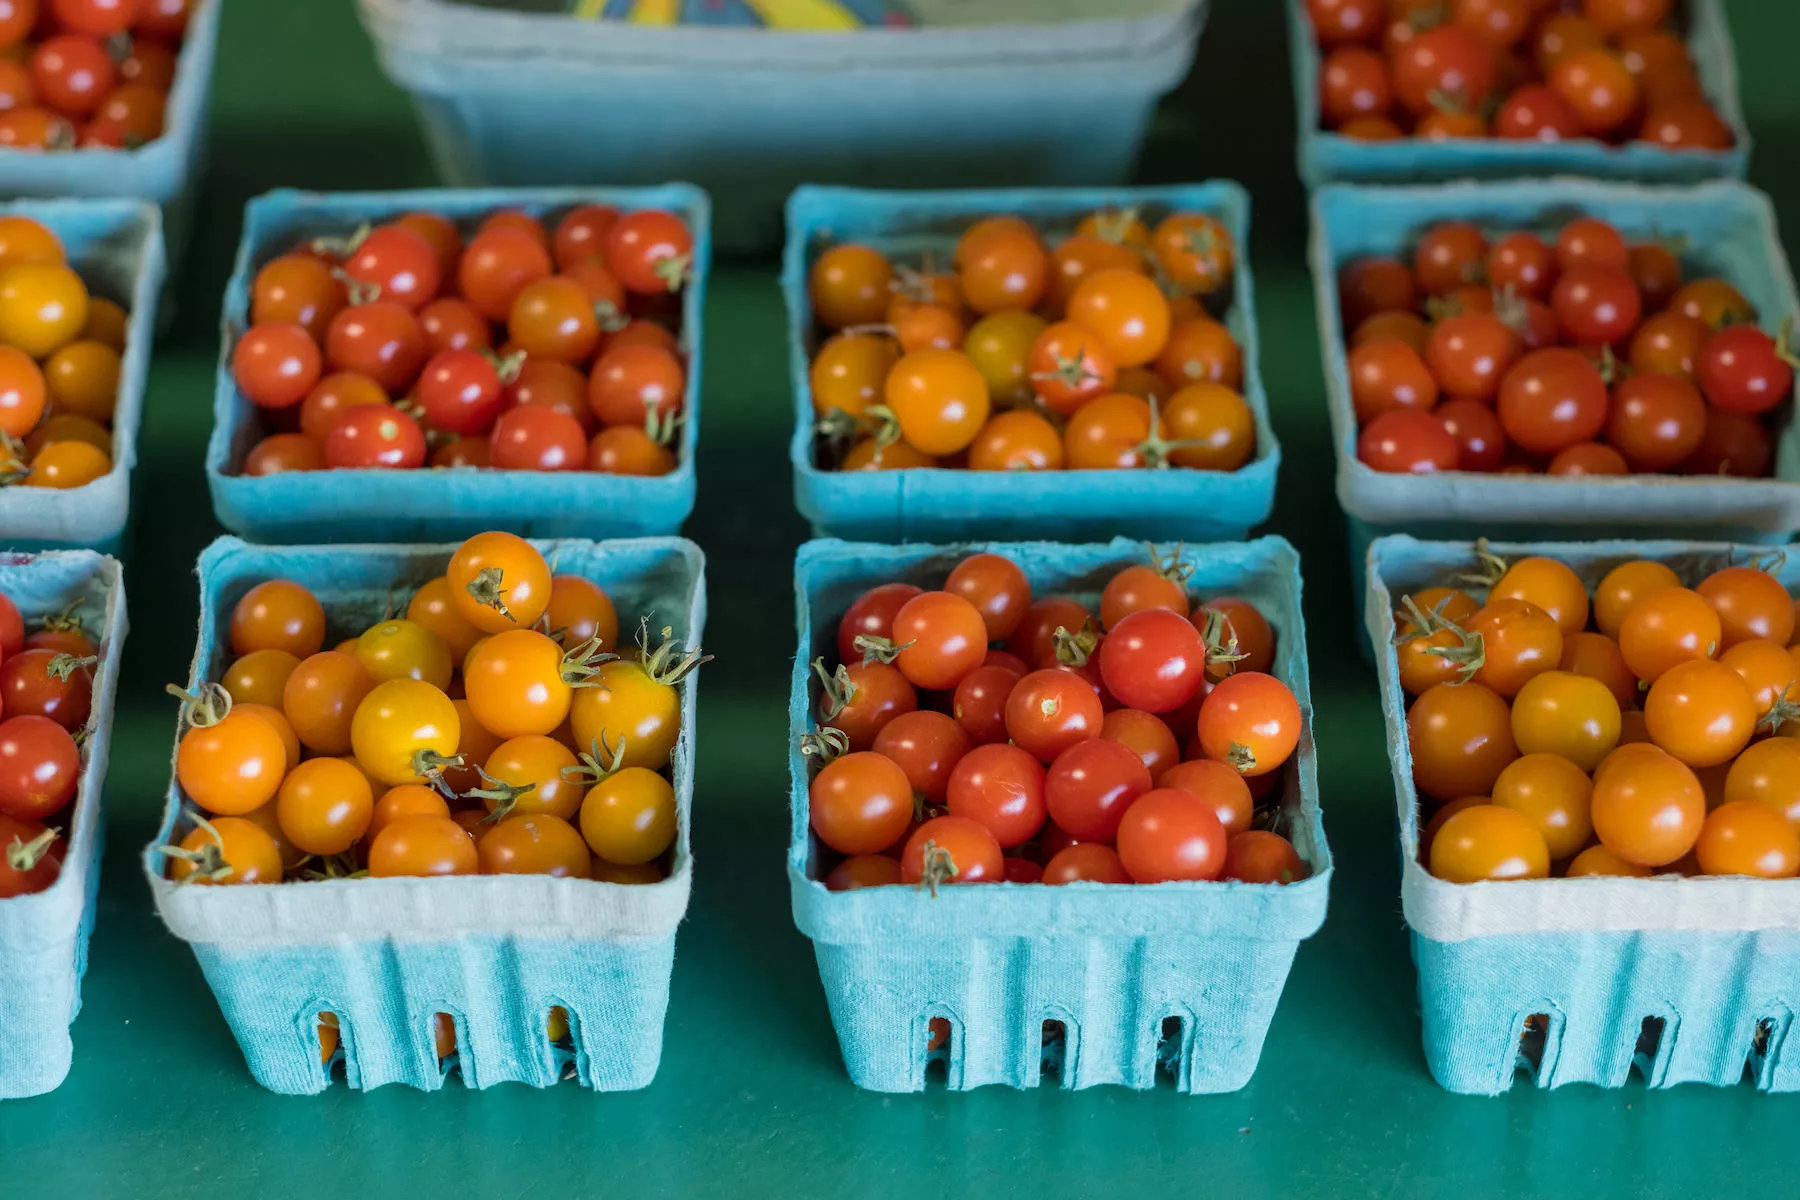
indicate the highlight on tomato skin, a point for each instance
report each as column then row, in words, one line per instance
column 1654, row 742
column 1044, row 347
column 514, row 341
column 1073, row 756
column 498, row 728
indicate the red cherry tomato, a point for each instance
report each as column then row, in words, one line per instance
column 1048, row 711
column 1470, row 352
column 1002, row 788
column 927, row 746
column 40, row 767
column 38, row 851
column 1153, row 659
column 941, row 638
column 629, row 382
column 399, row 263
column 1596, row 305
column 1259, row 856
column 1169, row 834
column 1085, row 862
column 1536, row 113
column 460, row 392
column 535, row 437
column 1447, row 61
column 1524, row 263
column 979, row 704
column 1091, row 784
column 871, row 615
column 1407, row 441
column 95, row 18
column 382, row 340
column 276, row 365
column 29, row 686
column 1481, row 443
column 375, row 435
column 650, row 252
column 1550, row 399
column 1741, row 371
column 1589, row 241
column 73, row 74
column 952, row 850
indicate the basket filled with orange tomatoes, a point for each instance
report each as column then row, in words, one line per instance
column 78, row 289
column 430, row 807
column 1056, row 363
column 107, row 98
column 1571, row 360
column 418, row 366
column 1598, row 781
column 1395, row 91
column 62, row 629
column 1055, row 813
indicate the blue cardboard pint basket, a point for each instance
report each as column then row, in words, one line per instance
column 1328, row 157
column 1583, row 980
column 1175, row 977
column 932, row 504
column 511, row 98
column 116, row 246
column 1728, row 229
column 496, row 952
column 431, row 504
column 44, row 936
column 165, row 170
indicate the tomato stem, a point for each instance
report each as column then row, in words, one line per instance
column 341, row 247
column 1114, row 224
column 204, row 707
column 879, row 649
column 581, row 666
column 208, row 861
column 824, row 745
column 1219, row 636
column 674, row 271
column 1241, row 757
column 1075, row 649
column 430, row 766
column 1174, row 566
column 63, row 622
column 669, row 663
column 62, row 666
column 1490, row 567
column 835, row 690
column 504, row 795
column 489, row 591
column 23, row 856
column 596, row 763
column 939, row 867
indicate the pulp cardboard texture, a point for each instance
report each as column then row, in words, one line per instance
column 932, row 504
column 1178, row 977
column 44, row 936
column 163, row 170
column 497, row 952
column 116, row 246
column 750, row 114
column 1327, row 157
column 1727, row 229
column 1715, row 960
column 437, row 504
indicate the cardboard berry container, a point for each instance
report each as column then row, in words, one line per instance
column 511, row 98
column 44, row 936
column 1175, row 978
column 165, row 171
column 1585, row 980
column 1728, row 229
column 1327, row 157
column 116, row 246
column 434, row 504
column 933, row 504
column 496, row 952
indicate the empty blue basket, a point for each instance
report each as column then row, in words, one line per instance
column 495, row 952
column 1583, row 980
column 434, row 504
column 44, row 936
column 1181, row 978
column 932, row 504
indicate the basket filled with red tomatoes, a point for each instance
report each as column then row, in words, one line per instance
column 107, row 98
column 1055, row 812
column 62, row 628
column 1572, row 360
column 1039, row 363
column 1597, row 769
column 752, row 100
column 419, row 366
column 430, row 807
column 1397, row 91
column 78, row 290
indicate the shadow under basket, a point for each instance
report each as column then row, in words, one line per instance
column 1586, row 980
column 1086, row 983
column 384, row 957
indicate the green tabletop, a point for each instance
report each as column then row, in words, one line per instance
column 752, row 1098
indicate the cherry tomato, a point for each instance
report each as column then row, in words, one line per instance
column 941, row 637
column 534, row 844
column 1751, row 603
column 1085, row 862
column 1745, row 838
column 996, row 587
column 324, row 806
column 73, row 73
column 1069, row 366
column 1449, row 256
column 34, row 128
column 650, row 251
column 1469, row 353
column 1035, row 639
column 1353, row 82
column 236, row 851
column 40, row 766
column 1548, row 584
column 400, row 264
column 1168, row 834
column 1016, row 441
column 1486, row 842
column 1551, row 399
column 1201, row 350
column 1667, row 626
column 1648, row 808
column 927, row 746
column 1091, row 784
column 1555, row 794
column 861, row 871
column 951, row 850
column 321, row 697
column 1407, row 441
column 1768, row 772
column 30, row 857
column 1522, row 262
column 1614, row 17
column 1596, row 304
column 529, row 774
column 1377, row 284
column 1004, row 268
column 939, row 400
column 1592, row 242
column 1741, row 370
column 1701, row 712
column 422, row 845
column 297, row 289
column 499, row 581
column 1597, row 86
column 1568, row 715
column 1049, row 710
column 1153, row 659
column 1246, row 631
column 1657, row 421
column 1000, row 346
column 1446, row 61
column 1336, row 21
column 979, row 704
column 1138, row 588
column 1733, row 445
column 497, row 265
column 1389, row 374
column 1690, row 124
column 382, row 340
column 535, row 437
column 1461, row 739
column 375, row 436
column 872, row 615
column 1713, row 302
column 1003, row 789
column 635, row 708
column 259, row 677
column 629, row 818
column 1261, row 856
column 230, row 767
column 1250, row 721
column 1127, row 311
column 1481, row 443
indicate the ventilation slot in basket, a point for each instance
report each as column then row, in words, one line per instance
column 1649, row 1046
column 444, row 1044
column 559, row 1027
column 940, row 1043
column 1534, row 1035
column 333, row 1054
column 1764, row 1042
column 1055, row 1050
column 1169, row 1047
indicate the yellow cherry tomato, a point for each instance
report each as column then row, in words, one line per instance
column 431, row 608
column 533, row 774
column 234, row 850
column 1559, row 712
column 629, row 817
column 83, row 378
column 402, row 728
column 1000, row 347
column 65, row 465
column 629, row 713
column 515, row 684
column 404, row 650
column 259, row 677
column 43, row 307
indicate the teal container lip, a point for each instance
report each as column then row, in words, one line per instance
column 945, row 505
column 433, row 504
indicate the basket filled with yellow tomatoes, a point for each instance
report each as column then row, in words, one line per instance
column 1055, row 815
column 78, row 288
column 1564, row 360
column 1055, row 363
column 1598, row 783
column 62, row 628
column 430, row 807
column 419, row 366
column 1392, row 91
column 107, row 98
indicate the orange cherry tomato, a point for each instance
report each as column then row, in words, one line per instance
column 324, row 806
column 533, row 767
column 939, row 400
column 1486, row 841
column 515, row 683
column 1647, row 807
column 233, row 766
column 498, row 581
column 1127, row 311
column 278, row 615
column 260, row 677
column 245, row 854
column 1213, row 427
column 1518, row 640
column 1567, row 715
column 1667, row 626
column 1005, row 268
column 1020, row 440
column 1554, row 793
column 1108, row 432
column 1744, row 838
column 1201, row 350
column 422, row 845
column 1195, row 252
column 1598, row 860
column 1768, row 772
column 849, row 371
column 1701, row 712
column 407, row 800
column 1069, row 365
column 1550, row 585
column 1772, row 675
column 534, row 844
column 1461, row 739
column 1623, row 586
column 1751, row 603
column 320, row 699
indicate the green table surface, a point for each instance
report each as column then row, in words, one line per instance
column 752, row 1098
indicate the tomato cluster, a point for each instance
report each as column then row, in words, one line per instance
column 1098, row 352
column 1523, row 70
column 380, row 350
column 87, row 73
column 493, row 729
column 60, row 354
column 1573, row 354
column 1644, row 728
column 974, row 735
column 46, row 697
